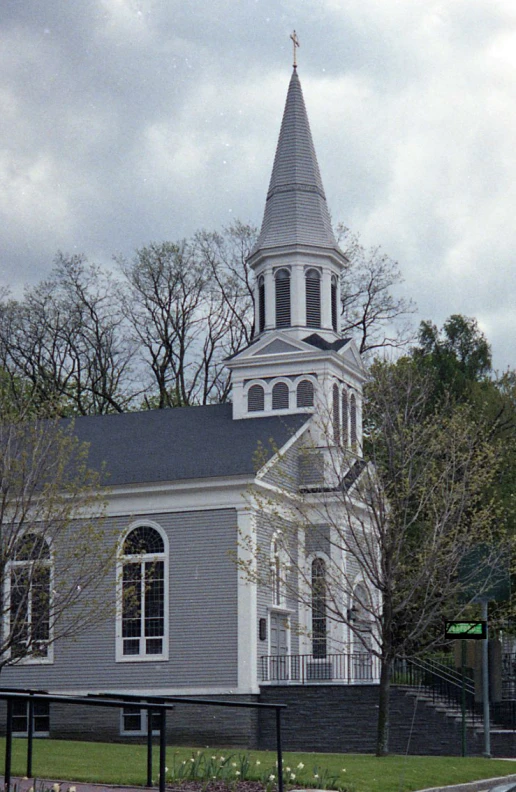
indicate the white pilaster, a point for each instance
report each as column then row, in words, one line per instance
column 247, row 607
column 326, row 299
column 270, row 300
column 297, row 296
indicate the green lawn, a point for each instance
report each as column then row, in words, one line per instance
column 126, row 764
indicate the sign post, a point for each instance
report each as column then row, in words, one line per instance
column 468, row 630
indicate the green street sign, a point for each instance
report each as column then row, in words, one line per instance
column 465, row 629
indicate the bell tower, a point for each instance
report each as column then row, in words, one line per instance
column 298, row 360
column 296, row 260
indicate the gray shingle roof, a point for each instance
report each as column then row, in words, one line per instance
column 296, row 212
column 179, row 444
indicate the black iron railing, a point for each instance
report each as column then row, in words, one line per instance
column 440, row 680
column 348, row 668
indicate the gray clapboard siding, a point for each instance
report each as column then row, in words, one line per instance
column 203, row 614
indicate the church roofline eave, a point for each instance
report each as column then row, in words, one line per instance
column 283, row 358
column 277, row 251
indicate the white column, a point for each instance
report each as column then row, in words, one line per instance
column 247, row 607
column 326, row 299
column 270, row 300
column 297, row 296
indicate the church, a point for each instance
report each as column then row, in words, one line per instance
column 181, row 495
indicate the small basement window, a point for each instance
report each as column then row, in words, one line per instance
column 40, row 718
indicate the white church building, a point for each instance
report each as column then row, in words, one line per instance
column 179, row 500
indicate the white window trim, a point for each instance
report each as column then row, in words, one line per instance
column 120, row 657
column 29, row 659
column 143, row 723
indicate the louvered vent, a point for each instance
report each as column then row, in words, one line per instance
column 313, row 298
column 353, row 421
column 345, row 418
column 283, row 298
column 305, row 394
column 255, row 398
column 261, row 304
column 334, row 303
column 336, row 415
column 280, row 396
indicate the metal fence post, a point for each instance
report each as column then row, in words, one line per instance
column 149, row 747
column 278, row 748
column 162, row 749
column 8, row 745
column 30, row 734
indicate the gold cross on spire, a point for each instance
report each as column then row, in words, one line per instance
column 295, row 44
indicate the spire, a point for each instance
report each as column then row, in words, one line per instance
column 296, row 212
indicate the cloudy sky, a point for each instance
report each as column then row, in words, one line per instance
column 129, row 121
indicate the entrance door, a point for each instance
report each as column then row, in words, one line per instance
column 278, row 632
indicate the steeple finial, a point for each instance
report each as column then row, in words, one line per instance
column 295, row 44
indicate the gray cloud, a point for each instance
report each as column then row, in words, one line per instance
column 125, row 121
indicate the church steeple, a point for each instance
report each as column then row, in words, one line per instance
column 296, row 212
column 296, row 259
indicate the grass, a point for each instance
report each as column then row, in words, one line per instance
column 114, row 763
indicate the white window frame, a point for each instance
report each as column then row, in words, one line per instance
column 18, row 733
column 143, row 722
column 121, row 559
column 12, row 564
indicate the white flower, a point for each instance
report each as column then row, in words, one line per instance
column 233, row 764
column 343, row 769
column 316, row 775
column 272, row 777
column 237, row 772
column 222, row 758
column 56, row 787
column 183, row 762
column 258, row 762
column 300, row 766
column 292, row 776
column 72, row 789
column 192, row 759
column 213, row 757
column 287, row 769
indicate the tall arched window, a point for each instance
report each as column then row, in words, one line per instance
column 29, row 598
column 255, row 398
column 334, row 317
column 261, row 304
column 313, row 298
column 277, row 573
column 283, row 298
column 336, row 415
column 143, row 595
column 319, row 629
column 305, row 394
column 345, row 418
column 353, row 421
column 280, row 396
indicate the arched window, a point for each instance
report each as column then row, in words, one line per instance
column 319, row 629
column 29, row 598
column 143, row 600
column 255, row 398
column 261, row 304
column 336, row 415
column 345, row 418
column 313, row 298
column 278, row 567
column 280, row 396
column 334, row 317
column 283, row 298
column 353, row 421
column 362, row 661
column 305, row 394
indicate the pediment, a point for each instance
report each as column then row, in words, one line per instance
column 276, row 347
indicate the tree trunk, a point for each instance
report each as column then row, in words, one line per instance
column 382, row 736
